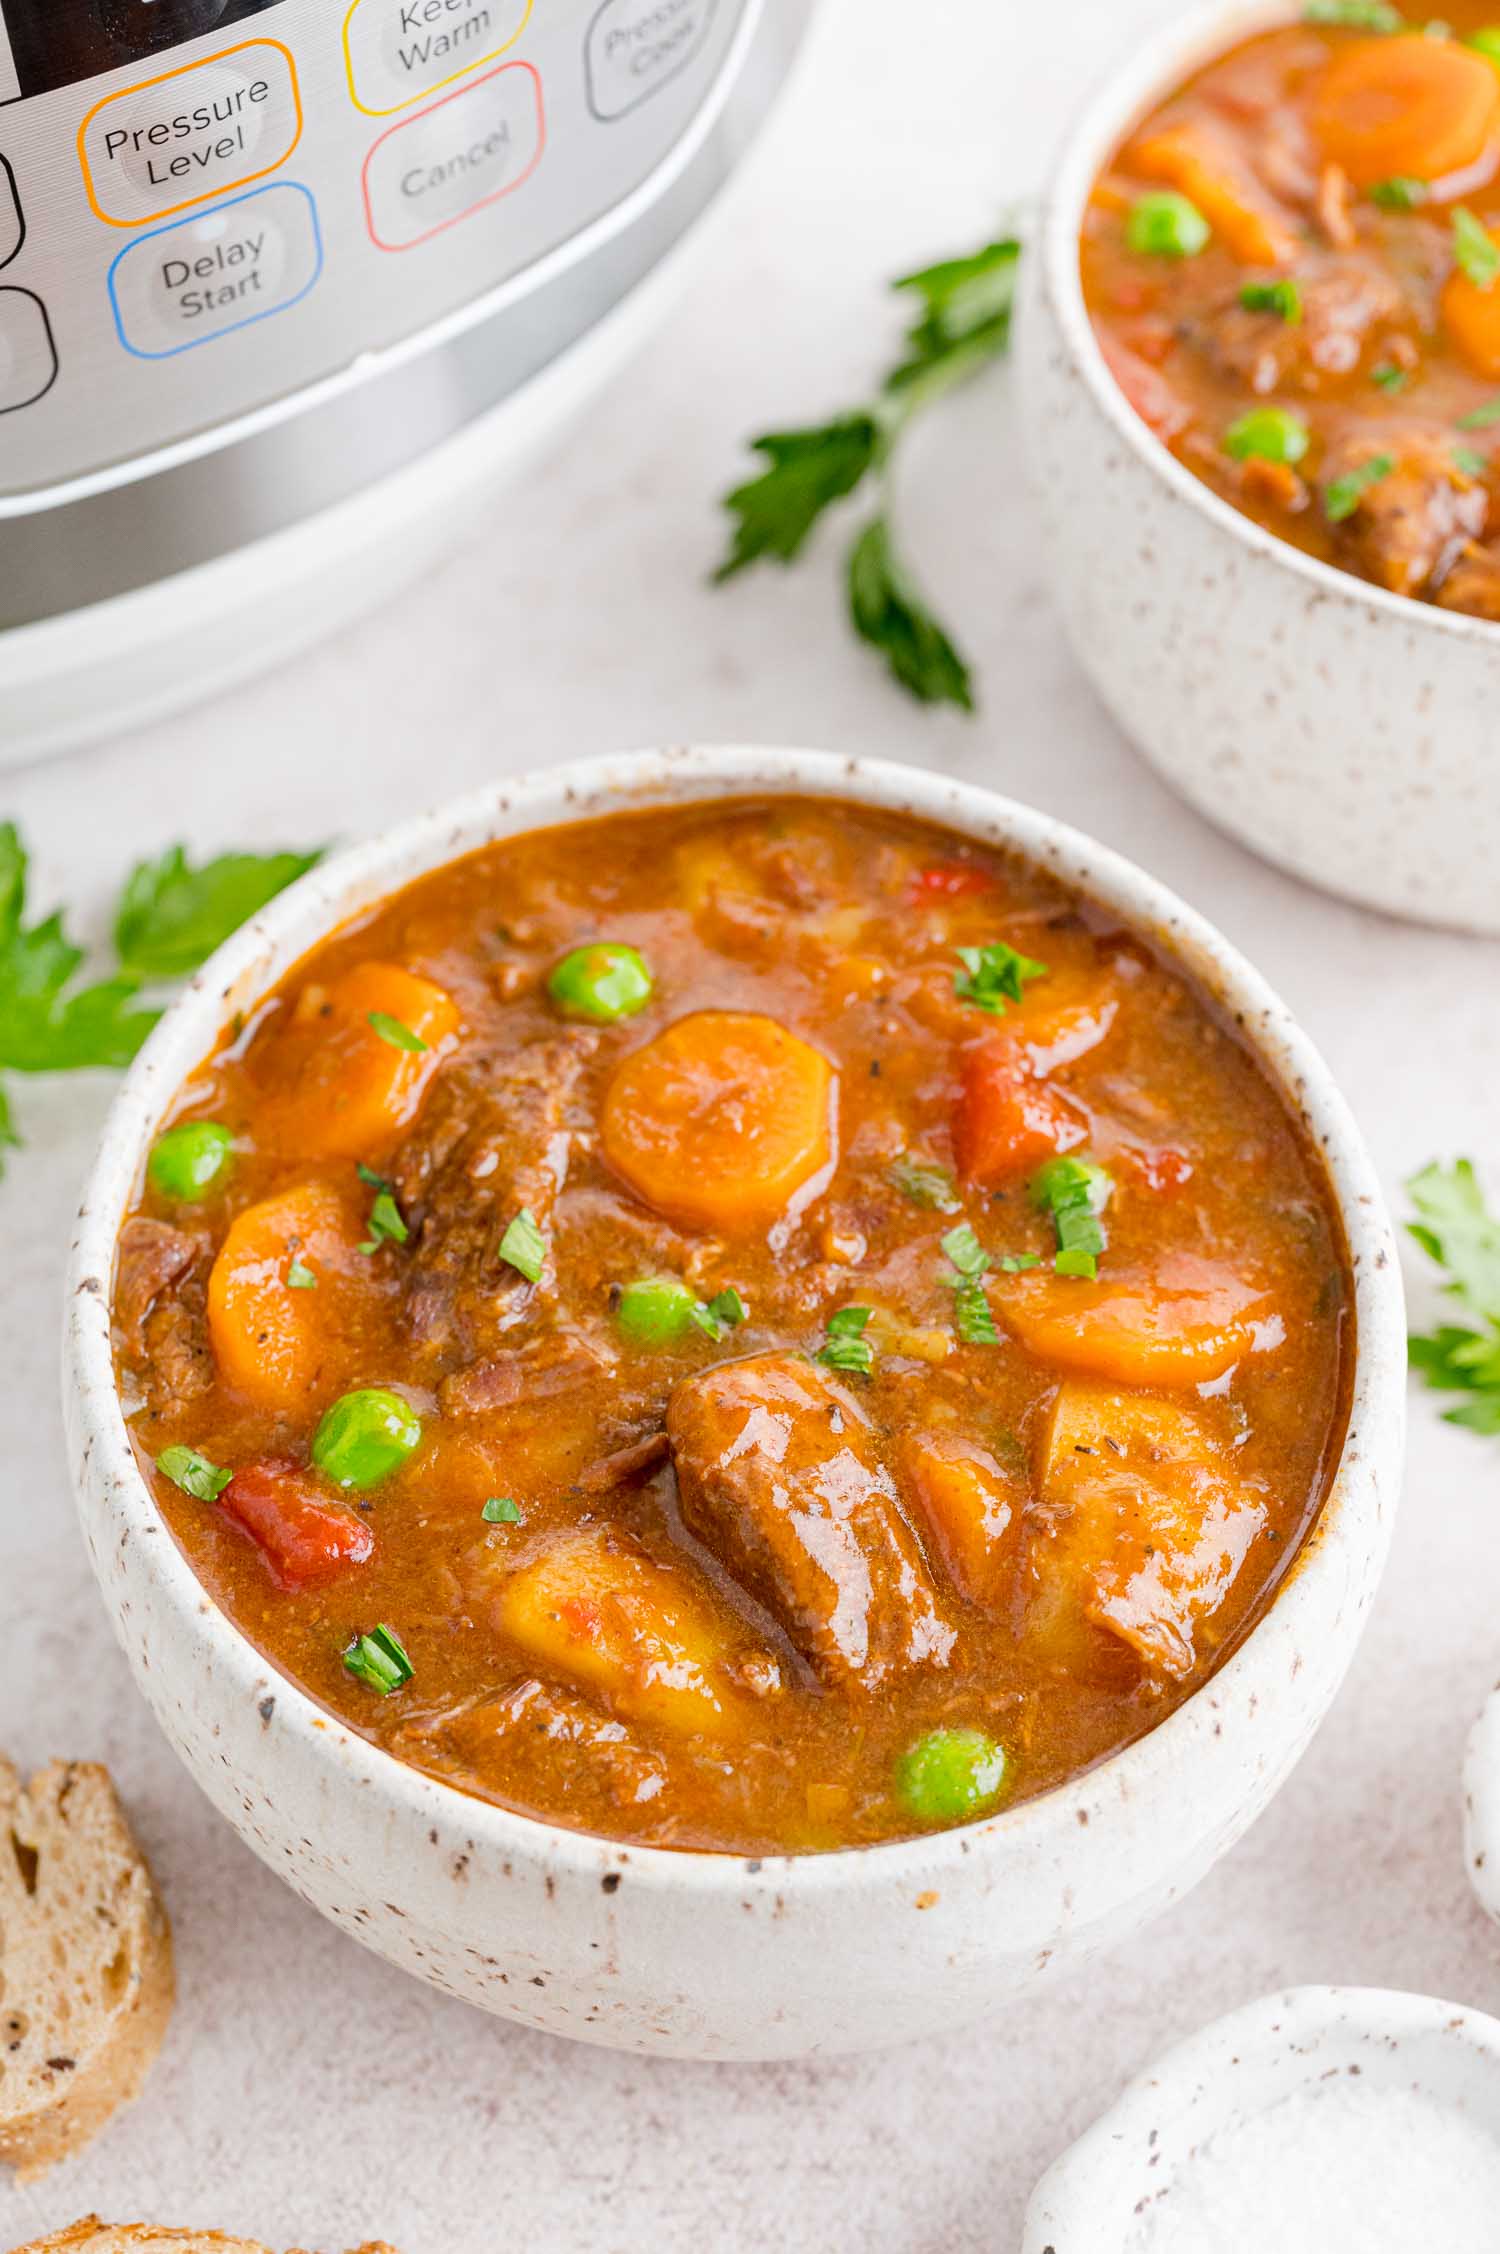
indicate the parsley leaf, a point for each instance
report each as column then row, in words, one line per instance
column 523, row 1247
column 1481, row 418
column 1456, row 1229
column 925, row 1184
column 1075, row 1192
column 1389, row 378
column 967, row 305
column 972, row 1313
column 889, row 614
column 501, row 1510
column 1355, row 15
column 1475, row 252
column 172, row 916
column 1342, row 496
column 1283, row 297
column 994, row 975
column 395, row 1034
column 300, row 1277
column 193, row 1473
column 1470, row 463
column 379, row 1660
column 718, row 1316
column 1398, row 193
column 387, row 1223
column 847, row 1348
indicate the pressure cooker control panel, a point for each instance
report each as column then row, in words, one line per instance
column 207, row 205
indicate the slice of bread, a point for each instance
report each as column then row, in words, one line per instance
column 86, row 1982
column 93, row 2237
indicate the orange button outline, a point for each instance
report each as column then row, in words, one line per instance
column 185, row 70
column 437, row 86
column 485, row 201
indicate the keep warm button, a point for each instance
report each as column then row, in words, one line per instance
column 453, row 159
column 218, row 271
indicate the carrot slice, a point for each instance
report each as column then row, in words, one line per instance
column 345, row 1076
column 1472, row 316
column 273, row 1341
column 1213, row 174
column 720, row 1120
column 1189, row 1320
column 1410, row 108
column 305, row 1539
column 1008, row 1120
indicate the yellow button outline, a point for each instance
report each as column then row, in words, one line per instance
column 185, row 70
column 436, row 88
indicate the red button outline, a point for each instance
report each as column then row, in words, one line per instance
column 415, row 117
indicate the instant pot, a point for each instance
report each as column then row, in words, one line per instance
column 287, row 285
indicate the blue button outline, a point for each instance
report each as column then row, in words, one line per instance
column 193, row 218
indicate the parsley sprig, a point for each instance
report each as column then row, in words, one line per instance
column 993, row 976
column 170, row 917
column 1456, row 1229
column 965, row 320
column 846, row 1347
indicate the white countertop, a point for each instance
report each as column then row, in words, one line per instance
column 308, row 2095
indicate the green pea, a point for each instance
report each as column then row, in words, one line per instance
column 1270, row 434
column 189, row 1161
column 364, row 1437
column 603, row 983
column 657, row 1311
column 1164, row 224
column 950, row 1776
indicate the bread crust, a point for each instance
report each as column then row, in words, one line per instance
column 91, row 2236
column 86, row 1979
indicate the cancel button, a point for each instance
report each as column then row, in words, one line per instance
column 454, row 158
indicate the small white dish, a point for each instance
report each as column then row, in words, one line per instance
column 1091, row 2200
column 1343, row 732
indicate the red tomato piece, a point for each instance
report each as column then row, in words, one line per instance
column 306, row 1538
column 950, row 880
column 1009, row 1121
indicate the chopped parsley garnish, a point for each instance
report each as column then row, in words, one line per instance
column 1389, row 378
column 718, row 1316
column 1164, row 223
column 1267, row 434
column 193, row 1473
column 523, row 1247
column 300, row 1277
column 926, row 1184
column 1355, row 15
column 386, row 1224
column 992, row 976
column 500, row 1510
column 399, row 1036
column 1399, row 193
column 972, row 1313
column 379, row 1660
column 1470, row 462
column 1342, row 496
column 1075, row 1192
column 1476, row 254
column 1017, row 1263
column 1283, row 297
column 846, row 1347
column 1481, row 418
column 1456, row 1229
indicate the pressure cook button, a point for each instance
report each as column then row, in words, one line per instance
column 395, row 51
column 28, row 356
column 467, row 151
column 192, row 134
column 202, row 277
column 634, row 47
column 12, row 224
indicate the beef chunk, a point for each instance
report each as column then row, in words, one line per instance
column 1413, row 522
column 493, row 1138
column 532, row 1739
column 778, row 1475
column 534, row 1373
column 1346, row 307
column 159, row 1311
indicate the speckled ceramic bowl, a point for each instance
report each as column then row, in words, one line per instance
column 1341, row 731
column 701, row 1955
column 1090, row 2200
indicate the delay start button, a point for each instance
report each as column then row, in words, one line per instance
column 192, row 134
column 453, row 159
column 202, row 277
column 635, row 47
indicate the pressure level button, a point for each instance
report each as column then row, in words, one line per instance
column 218, row 271
column 192, row 134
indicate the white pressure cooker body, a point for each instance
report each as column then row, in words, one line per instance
column 286, row 286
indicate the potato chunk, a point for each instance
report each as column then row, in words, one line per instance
column 778, row 1474
column 595, row 1609
column 1145, row 1524
column 970, row 1507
